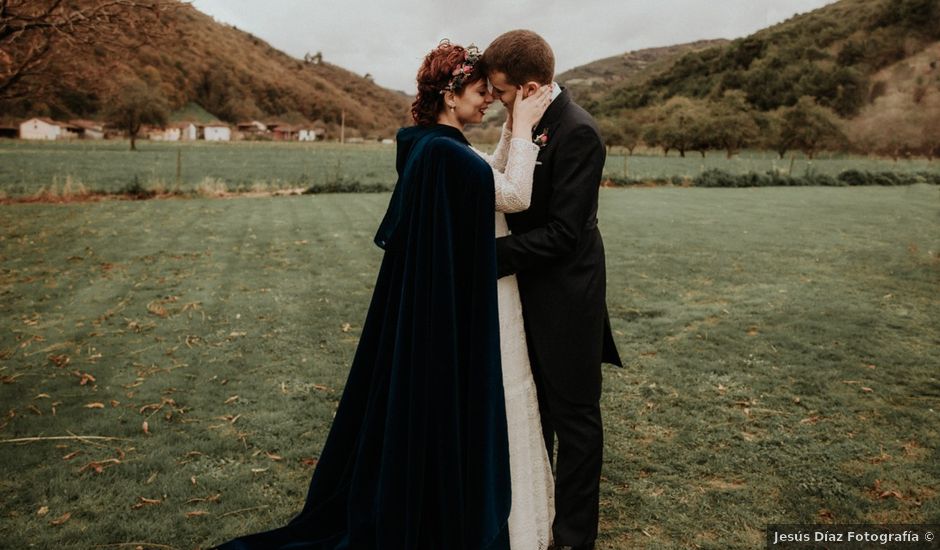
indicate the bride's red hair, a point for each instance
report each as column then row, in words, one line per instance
column 434, row 75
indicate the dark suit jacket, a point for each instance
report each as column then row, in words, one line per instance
column 557, row 253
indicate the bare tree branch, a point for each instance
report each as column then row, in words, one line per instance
column 32, row 32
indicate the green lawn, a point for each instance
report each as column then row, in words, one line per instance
column 781, row 349
column 28, row 167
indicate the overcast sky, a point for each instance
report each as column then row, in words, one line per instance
column 389, row 38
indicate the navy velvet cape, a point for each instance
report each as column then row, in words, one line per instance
column 418, row 457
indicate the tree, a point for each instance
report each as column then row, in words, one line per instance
column 610, row 131
column 137, row 104
column 680, row 125
column 930, row 136
column 631, row 129
column 774, row 137
column 731, row 125
column 33, row 31
column 809, row 127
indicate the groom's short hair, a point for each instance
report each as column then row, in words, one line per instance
column 523, row 56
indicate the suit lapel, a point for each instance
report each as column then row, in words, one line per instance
column 552, row 116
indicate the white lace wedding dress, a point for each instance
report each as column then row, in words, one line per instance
column 533, row 492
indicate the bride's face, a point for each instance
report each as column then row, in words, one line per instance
column 472, row 101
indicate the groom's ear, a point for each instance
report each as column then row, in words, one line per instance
column 529, row 88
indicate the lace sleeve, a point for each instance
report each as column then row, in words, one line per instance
column 498, row 159
column 514, row 185
column 501, row 154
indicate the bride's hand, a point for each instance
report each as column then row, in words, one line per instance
column 526, row 113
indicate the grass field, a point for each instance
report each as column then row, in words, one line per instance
column 27, row 168
column 781, row 350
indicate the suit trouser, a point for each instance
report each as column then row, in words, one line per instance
column 577, row 468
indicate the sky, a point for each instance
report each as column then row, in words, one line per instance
column 388, row 39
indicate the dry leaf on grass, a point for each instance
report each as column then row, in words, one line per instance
column 196, row 513
column 95, row 405
column 308, row 461
column 154, row 406
column 274, row 457
column 71, row 455
column 231, row 400
column 231, row 419
column 145, row 502
column 60, row 360
column 157, row 309
column 99, row 466
column 211, row 498
column 146, row 427
column 42, row 511
column 61, row 519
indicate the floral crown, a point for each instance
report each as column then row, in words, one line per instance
column 463, row 70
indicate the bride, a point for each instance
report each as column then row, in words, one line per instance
column 437, row 441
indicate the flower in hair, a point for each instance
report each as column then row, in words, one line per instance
column 462, row 71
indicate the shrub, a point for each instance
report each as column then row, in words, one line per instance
column 136, row 190
column 853, row 177
column 715, row 178
column 720, row 178
column 343, row 186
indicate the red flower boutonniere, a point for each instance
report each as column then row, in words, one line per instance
column 542, row 139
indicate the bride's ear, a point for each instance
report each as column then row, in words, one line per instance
column 450, row 100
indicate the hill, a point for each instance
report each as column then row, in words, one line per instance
column 861, row 75
column 587, row 82
column 831, row 54
column 228, row 72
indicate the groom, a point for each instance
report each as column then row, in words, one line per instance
column 557, row 254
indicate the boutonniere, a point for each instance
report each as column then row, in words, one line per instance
column 542, row 139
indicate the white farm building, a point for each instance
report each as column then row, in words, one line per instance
column 217, row 132
column 41, row 128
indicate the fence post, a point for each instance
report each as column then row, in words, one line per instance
column 179, row 168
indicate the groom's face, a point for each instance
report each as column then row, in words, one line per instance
column 502, row 89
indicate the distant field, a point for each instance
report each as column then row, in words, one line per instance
column 781, row 351
column 30, row 167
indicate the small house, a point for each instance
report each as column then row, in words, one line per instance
column 188, row 131
column 281, row 131
column 216, row 131
column 252, row 129
column 306, row 134
column 171, row 133
column 41, row 128
column 88, row 129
